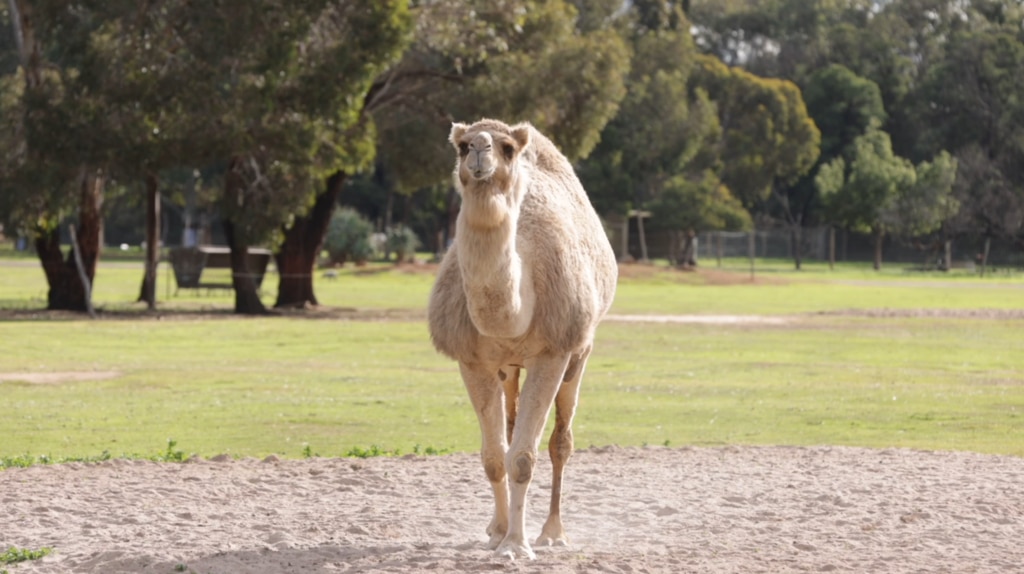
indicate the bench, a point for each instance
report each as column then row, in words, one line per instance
column 189, row 263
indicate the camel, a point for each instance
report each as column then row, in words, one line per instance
column 525, row 283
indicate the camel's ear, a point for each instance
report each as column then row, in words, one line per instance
column 457, row 132
column 521, row 133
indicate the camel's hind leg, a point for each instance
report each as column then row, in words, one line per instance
column 510, row 380
column 560, row 447
column 485, row 392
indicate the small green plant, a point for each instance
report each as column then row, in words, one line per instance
column 429, row 450
column 180, row 568
column 373, row 451
column 20, row 461
column 27, row 460
column 171, row 455
column 307, row 452
column 14, row 555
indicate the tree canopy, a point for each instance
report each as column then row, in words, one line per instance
column 902, row 117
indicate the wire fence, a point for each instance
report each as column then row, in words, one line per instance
column 777, row 249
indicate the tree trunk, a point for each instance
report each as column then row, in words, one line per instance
column 984, row 254
column 247, row 297
column 643, row 240
column 76, row 252
column 675, row 241
column 686, row 255
column 66, row 290
column 29, row 51
column 303, row 241
column 794, row 235
column 148, row 291
column 879, row 236
column 947, row 255
column 387, row 222
column 718, row 247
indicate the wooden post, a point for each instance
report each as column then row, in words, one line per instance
column 640, row 215
column 831, row 248
column 624, row 253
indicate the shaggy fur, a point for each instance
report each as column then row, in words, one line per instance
column 525, row 283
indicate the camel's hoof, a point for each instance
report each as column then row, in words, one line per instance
column 552, row 534
column 545, row 540
column 512, row 550
column 496, row 531
column 495, row 540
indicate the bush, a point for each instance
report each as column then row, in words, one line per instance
column 403, row 242
column 348, row 237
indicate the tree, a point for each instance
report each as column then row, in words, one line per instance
column 468, row 60
column 767, row 136
column 768, row 140
column 362, row 45
column 637, row 158
column 859, row 187
column 843, row 106
column 971, row 105
column 52, row 167
column 990, row 203
column 290, row 106
column 928, row 204
column 686, row 205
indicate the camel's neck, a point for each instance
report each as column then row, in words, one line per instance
column 499, row 287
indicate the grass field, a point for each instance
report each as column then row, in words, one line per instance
column 295, row 386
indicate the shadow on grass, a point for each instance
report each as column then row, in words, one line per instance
column 209, row 313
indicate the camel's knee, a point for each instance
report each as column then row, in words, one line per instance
column 495, row 469
column 561, row 443
column 521, row 467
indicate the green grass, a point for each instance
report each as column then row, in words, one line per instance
column 300, row 387
column 14, row 555
column 251, row 387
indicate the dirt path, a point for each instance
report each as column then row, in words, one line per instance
column 751, row 509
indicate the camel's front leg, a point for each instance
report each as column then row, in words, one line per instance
column 485, row 392
column 543, row 378
column 560, row 447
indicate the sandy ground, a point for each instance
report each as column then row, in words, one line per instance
column 748, row 509
column 729, row 509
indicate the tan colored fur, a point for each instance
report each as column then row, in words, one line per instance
column 525, row 283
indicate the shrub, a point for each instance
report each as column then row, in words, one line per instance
column 403, row 242
column 348, row 237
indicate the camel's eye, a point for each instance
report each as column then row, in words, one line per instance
column 508, row 150
column 463, row 149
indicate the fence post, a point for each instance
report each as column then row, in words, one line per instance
column 751, row 253
column 831, row 248
column 624, row 253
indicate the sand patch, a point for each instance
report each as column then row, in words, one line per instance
column 654, row 510
column 57, row 377
column 702, row 319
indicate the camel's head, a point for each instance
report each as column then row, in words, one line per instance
column 488, row 150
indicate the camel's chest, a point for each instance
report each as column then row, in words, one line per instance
column 501, row 352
